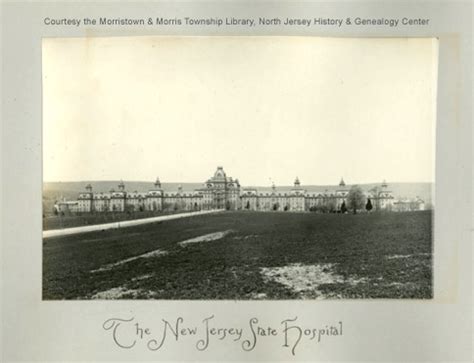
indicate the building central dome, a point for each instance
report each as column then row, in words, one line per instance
column 220, row 173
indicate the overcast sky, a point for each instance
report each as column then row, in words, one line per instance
column 265, row 108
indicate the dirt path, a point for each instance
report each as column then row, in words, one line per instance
column 122, row 224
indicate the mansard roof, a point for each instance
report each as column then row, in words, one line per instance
column 220, row 177
column 219, row 174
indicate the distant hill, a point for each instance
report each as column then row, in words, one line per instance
column 70, row 190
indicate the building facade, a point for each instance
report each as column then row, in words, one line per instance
column 223, row 192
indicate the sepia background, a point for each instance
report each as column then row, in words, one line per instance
column 266, row 108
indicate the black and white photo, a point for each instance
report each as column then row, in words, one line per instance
column 238, row 168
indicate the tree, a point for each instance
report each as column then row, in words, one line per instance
column 355, row 199
column 323, row 208
column 343, row 207
column 331, row 205
column 375, row 191
column 368, row 206
column 129, row 209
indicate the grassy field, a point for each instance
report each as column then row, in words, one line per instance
column 256, row 256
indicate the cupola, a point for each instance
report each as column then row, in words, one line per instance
column 157, row 182
column 297, row 182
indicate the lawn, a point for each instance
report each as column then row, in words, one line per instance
column 256, row 255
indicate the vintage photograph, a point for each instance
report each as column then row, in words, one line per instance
column 238, row 168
